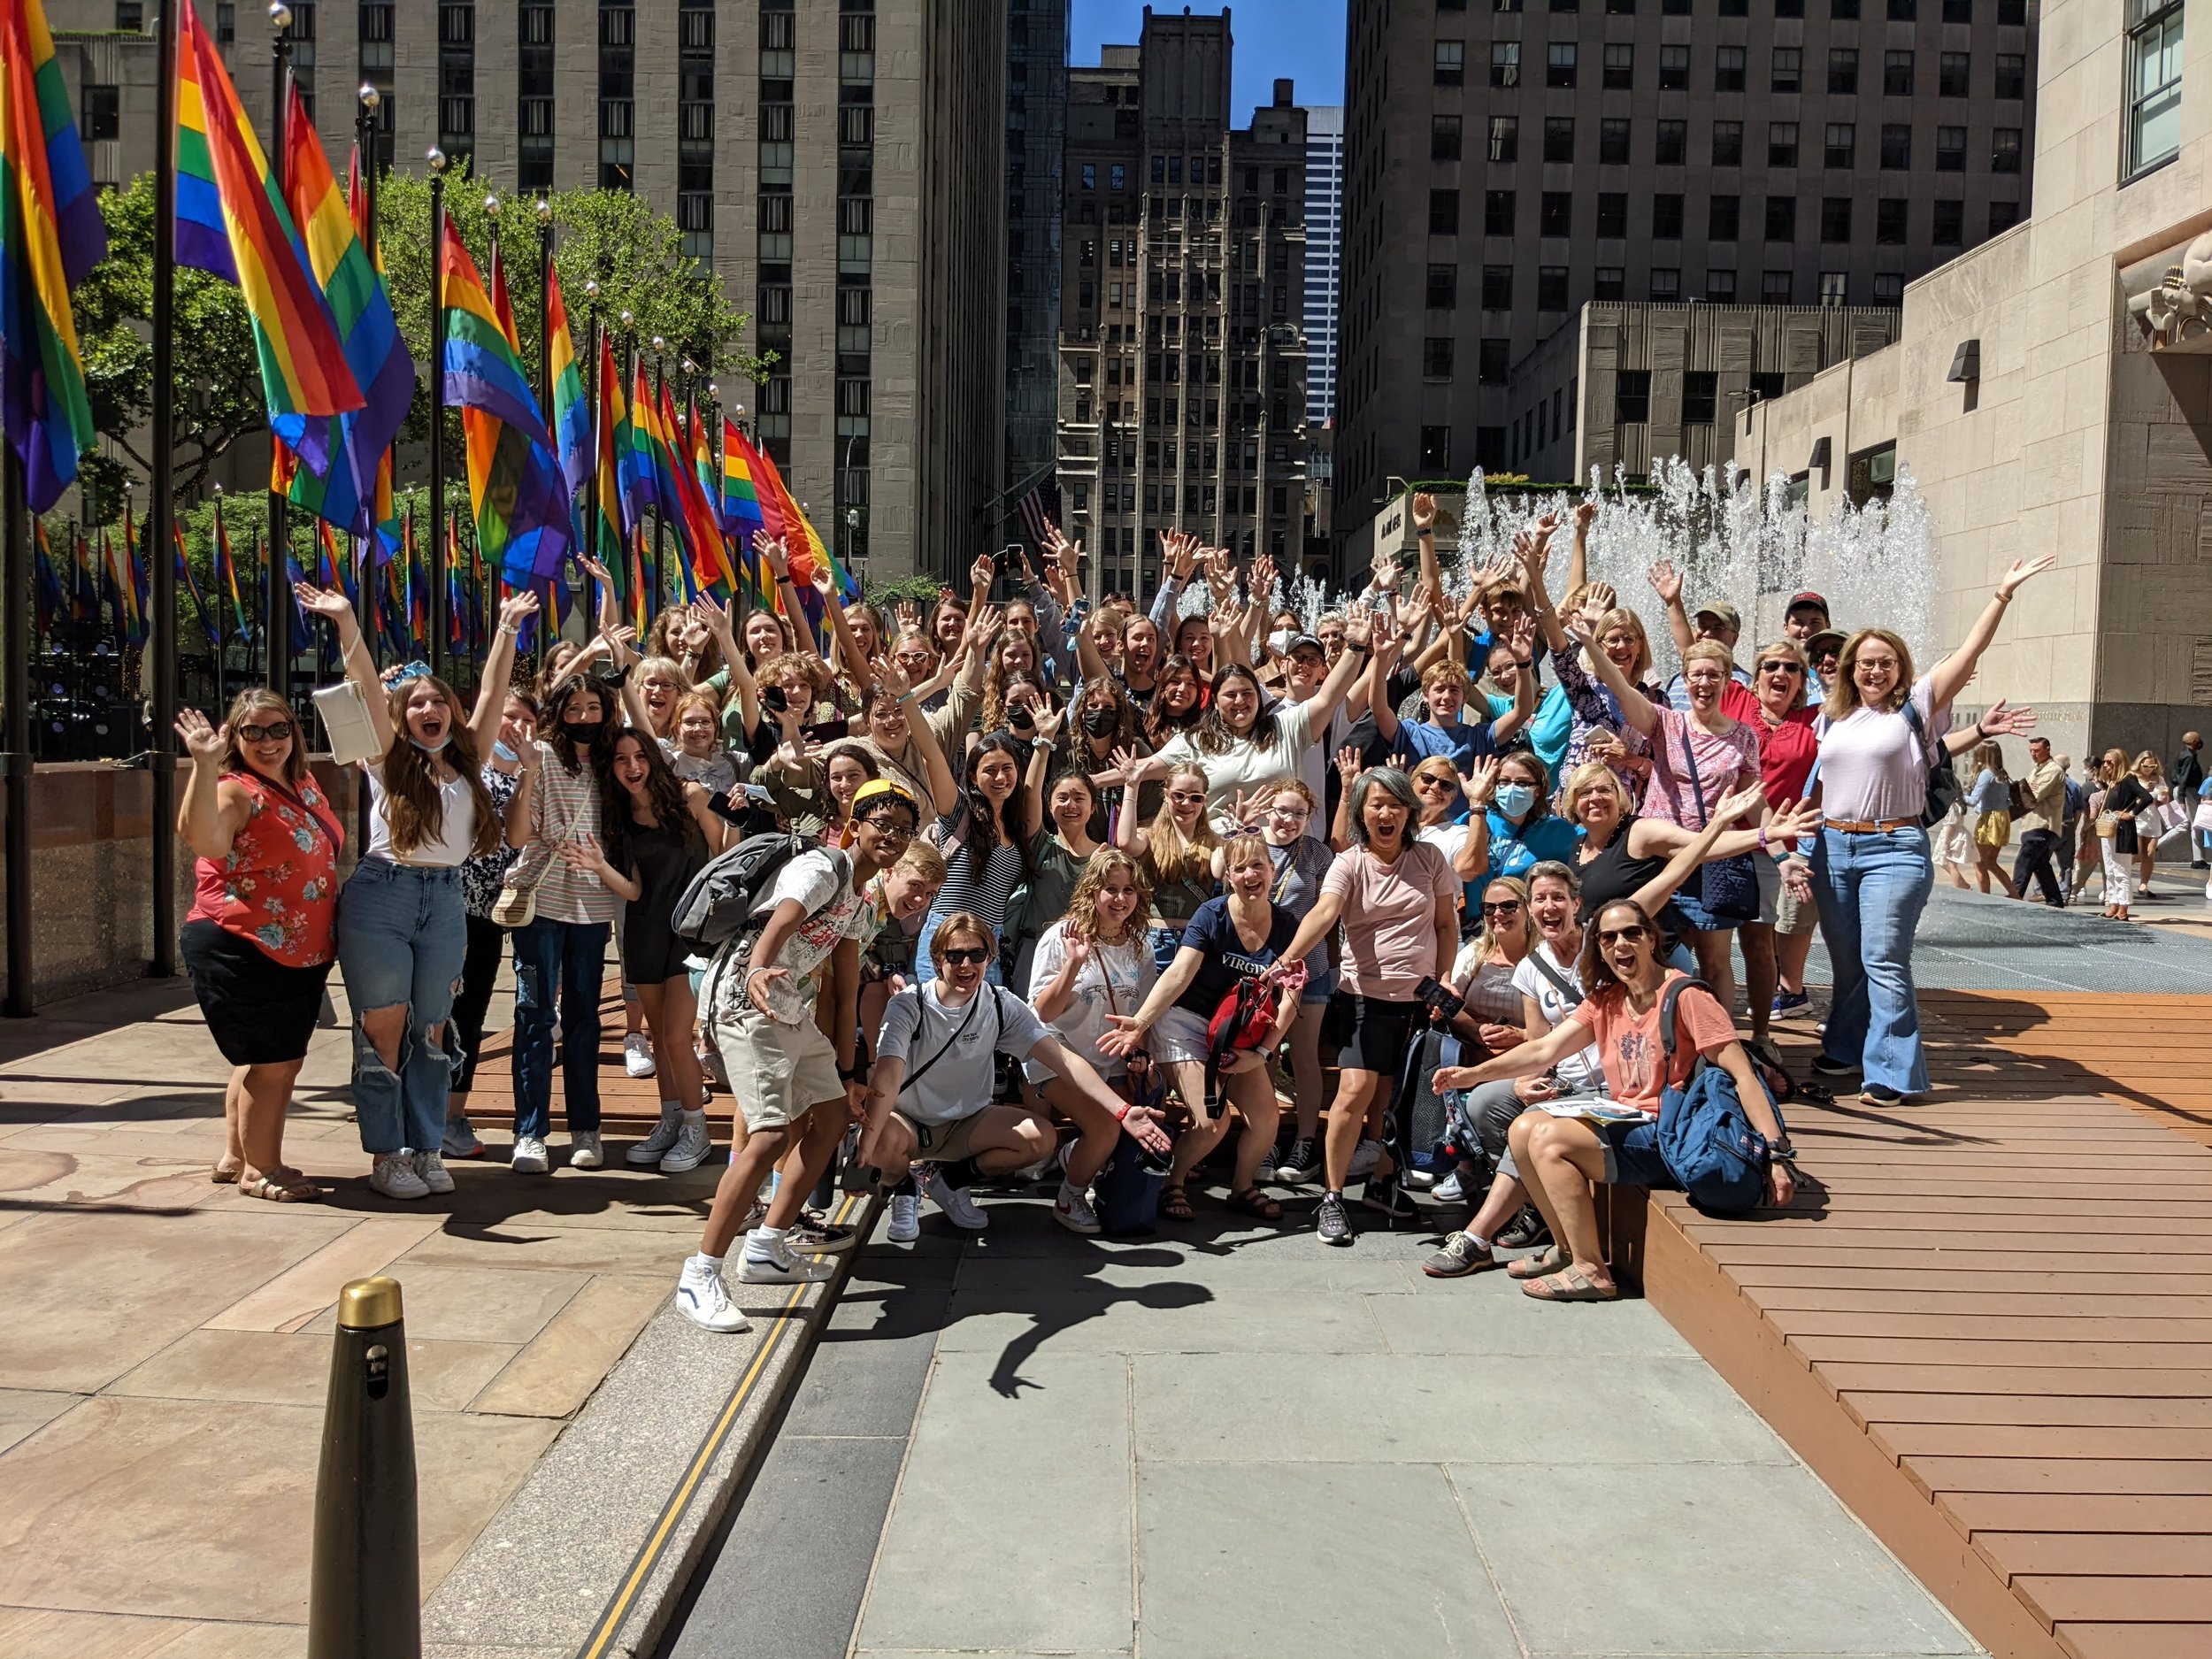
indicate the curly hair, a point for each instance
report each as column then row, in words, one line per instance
column 663, row 793
column 1082, row 911
column 665, row 639
column 993, row 716
column 414, row 798
column 573, row 760
column 1128, row 727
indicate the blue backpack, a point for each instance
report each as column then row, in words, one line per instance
column 1705, row 1137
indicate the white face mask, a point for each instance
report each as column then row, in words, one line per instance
column 1279, row 640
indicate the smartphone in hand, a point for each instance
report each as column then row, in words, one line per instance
column 1444, row 1003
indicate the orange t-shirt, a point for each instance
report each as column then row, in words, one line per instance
column 1629, row 1043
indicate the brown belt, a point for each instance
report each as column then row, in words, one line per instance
column 1870, row 827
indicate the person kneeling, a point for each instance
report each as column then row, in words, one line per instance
column 929, row 1093
column 1560, row 1156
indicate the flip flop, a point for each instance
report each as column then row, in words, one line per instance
column 1536, row 1266
column 1575, row 1286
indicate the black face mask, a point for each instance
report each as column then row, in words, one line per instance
column 585, row 732
column 1101, row 722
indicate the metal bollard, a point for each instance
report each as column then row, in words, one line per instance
column 365, row 1594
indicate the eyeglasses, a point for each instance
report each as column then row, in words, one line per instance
column 1504, row 907
column 1781, row 665
column 965, row 955
column 1630, row 934
column 890, row 831
column 1298, row 809
column 274, row 731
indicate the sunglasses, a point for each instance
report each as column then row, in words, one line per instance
column 1437, row 784
column 1631, row 934
column 274, row 731
column 965, row 955
column 1781, row 665
column 406, row 671
column 1508, row 907
column 1184, row 797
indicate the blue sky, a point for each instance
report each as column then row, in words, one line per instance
column 1303, row 39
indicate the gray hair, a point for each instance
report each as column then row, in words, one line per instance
column 1394, row 782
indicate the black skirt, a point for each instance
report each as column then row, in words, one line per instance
column 259, row 1011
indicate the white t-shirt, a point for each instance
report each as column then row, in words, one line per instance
column 1245, row 765
column 955, row 1047
column 1445, row 838
column 1583, row 1071
column 1084, row 1020
column 1873, row 768
column 457, row 832
column 822, row 882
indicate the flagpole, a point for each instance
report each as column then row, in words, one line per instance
column 224, row 572
column 660, row 512
column 15, row 574
column 436, row 597
column 550, row 620
column 276, row 620
column 161, row 512
column 591, row 491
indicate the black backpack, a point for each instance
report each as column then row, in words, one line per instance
column 719, row 900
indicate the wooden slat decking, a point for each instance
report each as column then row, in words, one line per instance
column 1989, row 1327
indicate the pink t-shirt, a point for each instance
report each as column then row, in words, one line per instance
column 1389, row 919
column 1872, row 769
column 1726, row 762
column 1630, row 1046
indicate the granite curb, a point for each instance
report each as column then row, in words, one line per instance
column 592, row 1553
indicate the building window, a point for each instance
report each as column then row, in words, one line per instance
column 1728, row 143
column 1844, row 11
column 1607, row 283
column 1896, row 147
column 1451, row 63
column 1613, row 143
column 1889, row 288
column 1889, row 220
column 1958, row 10
column 2004, row 150
column 1551, row 288
column 1840, row 146
column 2004, row 216
column 2154, row 59
column 1497, row 212
column 1674, row 69
column 1781, row 218
column 1443, row 138
column 130, row 16
column 1497, row 288
column 1559, row 65
column 2012, row 75
column 1555, row 214
column 2014, row 12
column 1620, row 68
column 1612, row 213
column 1897, row 75
column 1443, row 212
column 1722, row 218
column 1789, row 69
column 103, row 112
column 1843, row 71
column 1672, row 147
column 1950, row 223
column 1666, row 217
column 1436, row 449
column 1954, row 70
column 1728, row 69
column 1559, row 138
column 1505, row 63
column 1700, row 396
column 1505, row 138
column 1903, row 10
column 1632, row 397
column 1495, row 359
column 1835, row 218
column 1775, row 287
column 1835, row 287
column 1443, row 287
column 1666, row 285
column 1436, row 358
column 1781, row 144
column 1720, row 286
column 1950, row 150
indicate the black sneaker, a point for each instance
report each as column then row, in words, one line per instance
column 1460, row 1256
column 1334, row 1225
column 1880, row 1095
column 1385, row 1195
column 1523, row 1230
column 1301, row 1163
column 1826, row 1067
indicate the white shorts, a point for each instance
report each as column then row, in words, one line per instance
column 776, row 1072
column 1180, row 1037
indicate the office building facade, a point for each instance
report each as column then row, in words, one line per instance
column 1324, row 247
column 1182, row 384
column 1036, row 131
column 1507, row 163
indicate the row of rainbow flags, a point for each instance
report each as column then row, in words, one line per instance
column 338, row 380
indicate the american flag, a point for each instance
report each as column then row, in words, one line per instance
column 1039, row 511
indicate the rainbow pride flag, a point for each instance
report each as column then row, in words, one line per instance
column 699, row 529
column 232, row 223
column 190, row 585
column 572, row 408
column 644, row 471
column 741, row 501
column 614, row 493
column 226, row 573
column 52, row 233
column 49, row 594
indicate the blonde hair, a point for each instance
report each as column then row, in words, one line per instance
column 1707, row 651
column 1486, row 940
column 1790, row 649
column 1175, row 857
column 2148, row 759
column 921, row 859
column 1843, row 696
column 1581, row 781
column 1444, row 673
column 1082, row 911
column 1243, row 848
column 1629, row 623
column 2113, row 766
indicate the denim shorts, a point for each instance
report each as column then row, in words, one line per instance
column 1632, row 1155
column 1319, row 988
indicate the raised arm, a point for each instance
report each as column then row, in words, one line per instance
column 1473, row 857
column 499, row 669
column 212, row 812
column 1387, row 642
column 1351, row 663
column 1666, row 581
column 335, row 608
column 1423, row 508
column 1523, row 708
column 1534, row 547
column 1636, row 709
column 778, row 558
column 1948, row 677
column 1586, row 514
column 944, row 789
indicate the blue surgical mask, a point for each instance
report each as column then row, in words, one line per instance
column 1515, row 799
column 437, row 748
column 501, row 752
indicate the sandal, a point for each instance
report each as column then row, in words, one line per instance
column 223, row 1177
column 1536, row 1266
column 278, row 1192
column 1252, row 1202
column 1175, row 1205
column 1573, row 1285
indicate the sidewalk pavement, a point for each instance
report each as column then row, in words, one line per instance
column 167, row 1349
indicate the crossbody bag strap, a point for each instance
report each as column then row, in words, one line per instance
column 922, row 1069
column 1559, row 981
column 1697, row 789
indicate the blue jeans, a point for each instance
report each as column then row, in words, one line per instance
column 565, row 961
column 401, row 936
column 1870, row 889
column 926, row 969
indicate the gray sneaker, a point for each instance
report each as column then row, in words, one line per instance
column 1334, row 1225
column 1460, row 1256
column 692, row 1148
column 430, row 1171
column 656, row 1146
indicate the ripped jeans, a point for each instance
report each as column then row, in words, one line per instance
column 402, row 935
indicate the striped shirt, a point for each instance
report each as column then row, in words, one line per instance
column 564, row 808
column 982, row 884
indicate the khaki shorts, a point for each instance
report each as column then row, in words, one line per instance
column 1792, row 918
column 949, row 1142
column 777, row 1072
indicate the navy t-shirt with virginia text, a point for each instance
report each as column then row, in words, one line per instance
column 1224, row 959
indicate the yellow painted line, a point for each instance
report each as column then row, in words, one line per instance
column 618, row 1607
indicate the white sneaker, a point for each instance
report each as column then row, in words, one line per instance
column 694, row 1144
column 774, row 1263
column 584, row 1150
column 657, row 1145
column 1449, row 1190
column 1365, row 1157
column 905, row 1224
column 393, row 1174
column 530, row 1156
column 959, row 1209
column 461, row 1140
column 705, row 1300
column 637, row 1055
column 1072, row 1210
column 430, row 1171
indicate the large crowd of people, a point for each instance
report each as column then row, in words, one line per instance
column 1067, row 887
